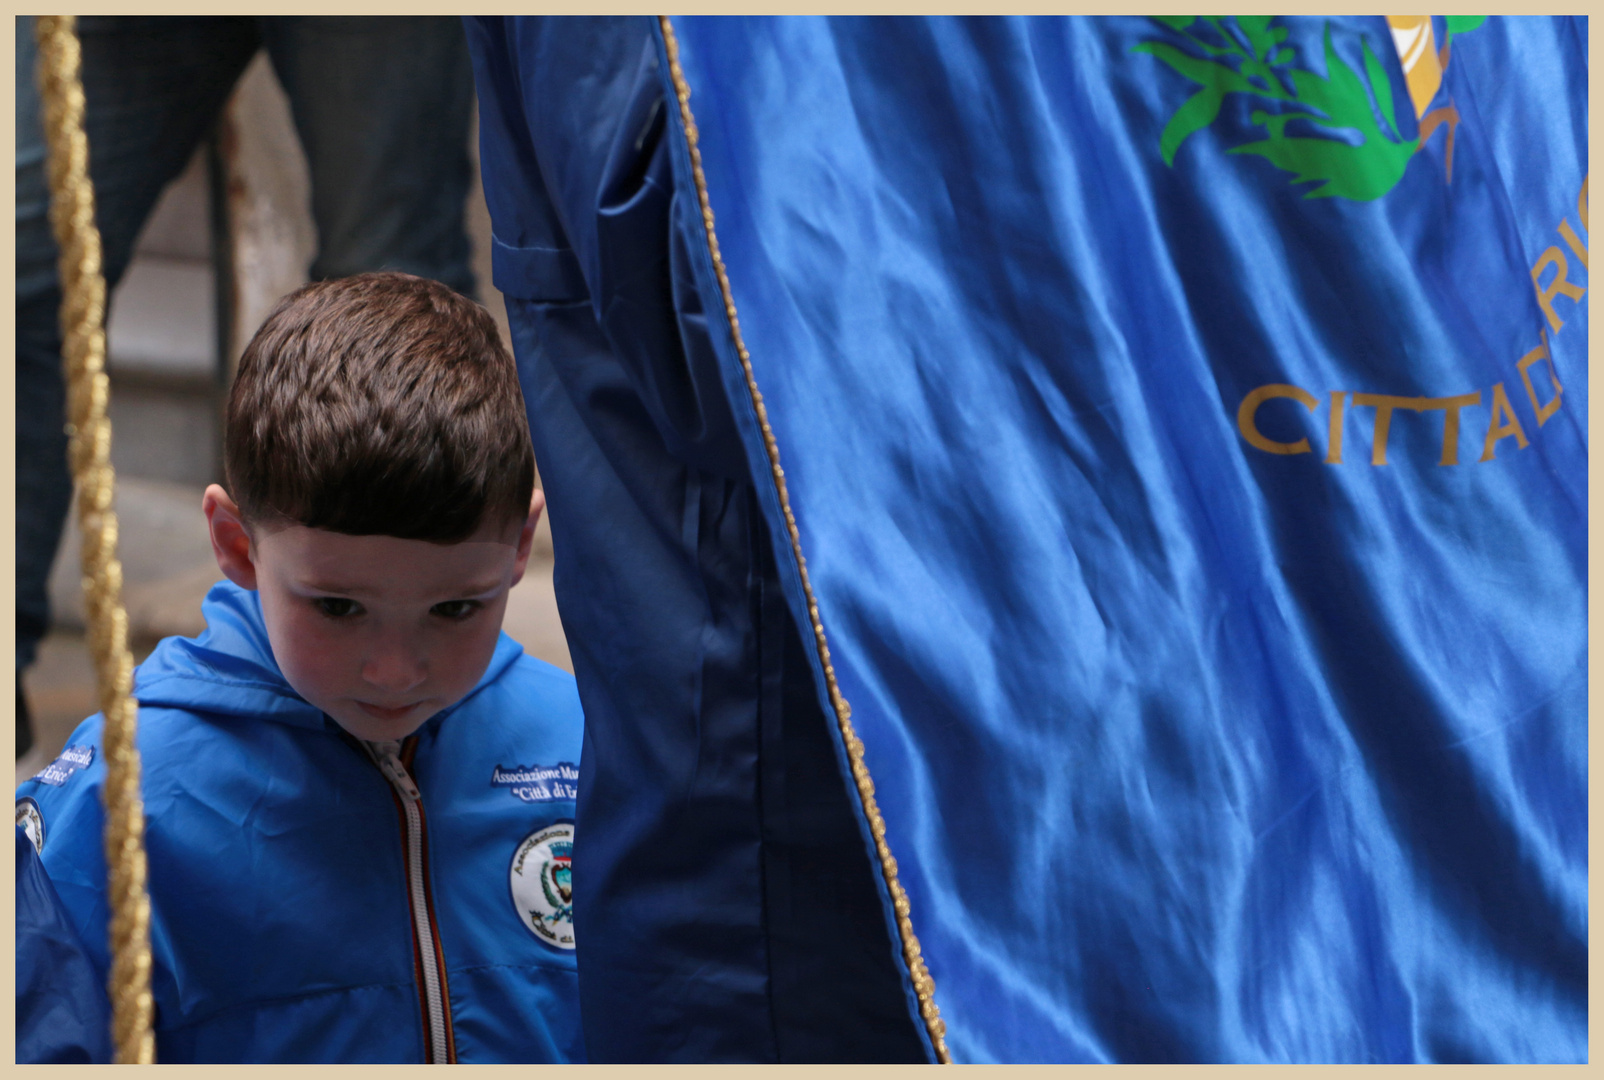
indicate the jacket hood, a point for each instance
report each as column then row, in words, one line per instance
column 229, row 669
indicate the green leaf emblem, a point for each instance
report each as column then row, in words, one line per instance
column 1345, row 139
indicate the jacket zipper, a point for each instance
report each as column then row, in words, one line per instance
column 431, row 964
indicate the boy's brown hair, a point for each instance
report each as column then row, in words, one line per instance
column 379, row 404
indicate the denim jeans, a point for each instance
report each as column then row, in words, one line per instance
column 382, row 107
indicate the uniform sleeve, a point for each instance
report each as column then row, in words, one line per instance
column 63, row 1016
column 589, row 230
column 531, row 258
column 65, row 797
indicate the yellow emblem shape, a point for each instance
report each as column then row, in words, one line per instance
column 1424, row 65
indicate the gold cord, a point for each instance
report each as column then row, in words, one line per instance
column 83, row 310
column 924, row 987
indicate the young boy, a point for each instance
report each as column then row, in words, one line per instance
column 359, row 793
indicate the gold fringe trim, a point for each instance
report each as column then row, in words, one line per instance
column 923, row 985
column 83, row 310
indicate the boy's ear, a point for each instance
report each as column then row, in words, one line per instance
column 230, row 542
column 526, row 535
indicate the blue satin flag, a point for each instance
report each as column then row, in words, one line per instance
column 1184, row 425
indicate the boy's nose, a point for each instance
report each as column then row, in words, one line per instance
column 394, row 669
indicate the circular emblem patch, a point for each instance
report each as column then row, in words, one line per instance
column 32, row 822
column 541, row 877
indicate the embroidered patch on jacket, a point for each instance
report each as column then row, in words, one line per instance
column 538, row 783
column 32, row 822
column 71, row 760
column 541, row 878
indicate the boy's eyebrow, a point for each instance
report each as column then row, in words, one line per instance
column 469, row 591
column 328, row 587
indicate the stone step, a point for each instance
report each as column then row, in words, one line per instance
column 162, row 318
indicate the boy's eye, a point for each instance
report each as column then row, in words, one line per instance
column 336, row 607
column 456, row 610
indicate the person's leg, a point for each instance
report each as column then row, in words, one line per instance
column 383, row 107
column 151, row 88
column 43, row 484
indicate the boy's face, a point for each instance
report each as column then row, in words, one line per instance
column 380, row 633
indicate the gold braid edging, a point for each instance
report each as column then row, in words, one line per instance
column 83, row 310
column 924, row 987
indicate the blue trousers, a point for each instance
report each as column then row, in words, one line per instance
column 382, row 107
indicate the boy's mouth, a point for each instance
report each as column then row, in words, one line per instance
column 379, row 713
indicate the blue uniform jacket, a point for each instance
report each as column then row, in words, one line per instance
column 731, row 911
column 62, row 1013
column 283, row 910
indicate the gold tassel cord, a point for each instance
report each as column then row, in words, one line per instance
column 83, row 310
column 924, row 987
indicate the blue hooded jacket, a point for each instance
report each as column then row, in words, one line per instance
column 63, row 1017
column 290, row 871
